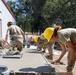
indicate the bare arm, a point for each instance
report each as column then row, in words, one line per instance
column 6, row 38
column 6, row 44
column 62, row 53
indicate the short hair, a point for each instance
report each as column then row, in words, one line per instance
column 9, row 23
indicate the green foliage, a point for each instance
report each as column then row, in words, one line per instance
column 36, row 15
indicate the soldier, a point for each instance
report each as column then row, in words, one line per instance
column 50, row 47
column 2, row 41
column 43, row 44
column 65, row 37
column 16, row 38
column 2, row 44
column 39, row 43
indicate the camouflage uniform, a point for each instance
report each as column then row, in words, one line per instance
column 16, row 38
column 40, row 45
column 44, row 45
column 1, row 42
column 48, row 45
column 64, row 36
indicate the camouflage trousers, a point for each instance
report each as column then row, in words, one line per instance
column 71, row 66
column 50, row 47
column 39, row 47
column 1, row 42
column 44, row 46
column 18, row 43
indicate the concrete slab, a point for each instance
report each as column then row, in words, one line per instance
column 31, row 61
column 12, row 56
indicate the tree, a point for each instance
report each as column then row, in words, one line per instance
column 36, row 15
column 21, row 10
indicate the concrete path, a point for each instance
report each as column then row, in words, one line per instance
column 31, row 61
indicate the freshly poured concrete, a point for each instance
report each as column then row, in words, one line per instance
column 31, row 61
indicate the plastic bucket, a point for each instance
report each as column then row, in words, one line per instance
column 4, row 70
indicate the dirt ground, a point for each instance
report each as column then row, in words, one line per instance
column 61, row 67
